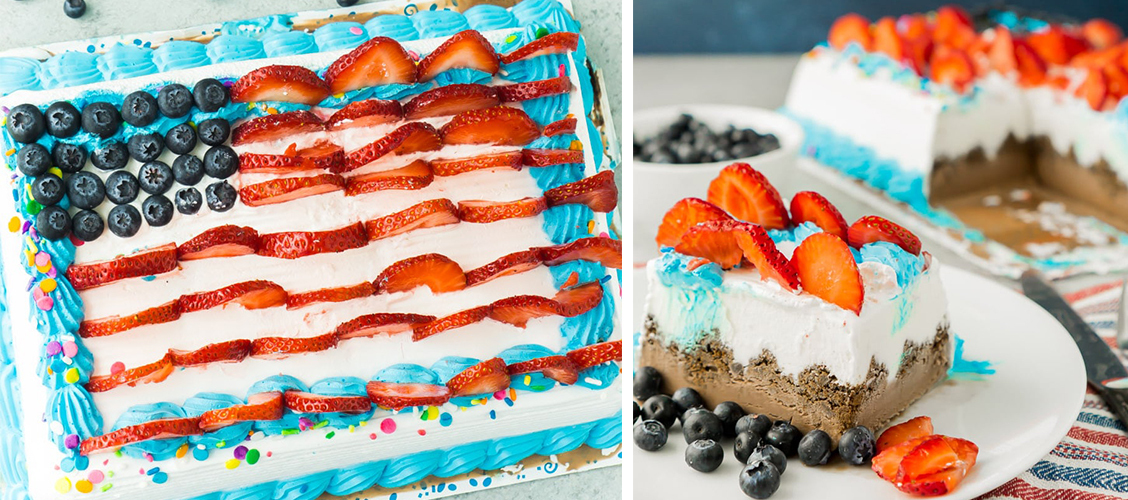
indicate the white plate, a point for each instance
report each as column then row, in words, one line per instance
column 1016, row 416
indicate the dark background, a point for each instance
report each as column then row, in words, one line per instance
column 782, row 26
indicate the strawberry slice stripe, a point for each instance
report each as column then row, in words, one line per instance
column 164, row 313
column 156, row 429
column 553, row 43
column 597, row 354
column 399, row 396
column 145, row 263
column 561, row 127
column 304, row 402
column 261, row 406
column 518, row 310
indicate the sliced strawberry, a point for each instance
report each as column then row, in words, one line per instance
column 263, row 406
column 553, row 43
column 451, row 100
column 410, row 138
column 457, row 166
column 886, row 39
column 1032, row 68
column 951, row 66
column 685, row 214
column 305, row 402
column 223, row 241
column 549, row 157
column 558, row 368
column 295, row 244
column 1117, row 79
column 255, row 163
column 930, row 456
column 1000, row 53
column 525, row 91
column 378, row 61
column 953, row 28
column 809, row 206
column 560, row 127
column 1101, row 33
column 850, row 28
column 324, row 155
column 486, row 377
column 430, row 213
column 274, row 127
column 371, row 325
column 153, row 372
column 155, row 429
column 281, row 347
column 966, row 450
column 255, row 294
column 337, row 294
column 905, row 431
column 827, row 270
column 483, row 211
column 432, row 270
column 759, row 249
column 872, row 228
column 164, row 313
column 598, row 192
column 935, row 484
column 289, row 188
column 514, row 263
column 597, row 354
column 280, row 83
column 366, row 113
column 606, row 251
column 713, row 240
column 413, row 176
column 149, row 262
column 746, row 194
column 400, row 396
column 1055, row 45
column 456, row 320
column 518, row 310
column 1094, row 90
column 223, row 352
column 500, row 125
column 466, row 49
column 888, row 461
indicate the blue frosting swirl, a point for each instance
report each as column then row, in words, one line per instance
column 227, row 436
column 907, row 265
column 13, row 467
column 289, row 420
column 536, row 381
column 407, row 374
column 462, row 75
column 342, row 386
column 160, row 449
column 180, row 54
column 9, row 397
column 439, row 23
column 585, row 272
column 61, row 251
column 356, row 478
column 259, row 26
column 549, row 12
column 398, row 27
column 411, row 468
column 565, row 223
column 289, row 43
column 18, row 73
column 600, row 376
column 557, row 175
column 462, row 459
column 673, row 270
column 591, row 327
column 607, row 432
column 256, row 492
column 485, row 17
column 508, row 451
column 303, row 488
column 126, row 61
column 565, row 439
column 70, row 69
column 227, row 48
column 340, row 35
column 65, row 316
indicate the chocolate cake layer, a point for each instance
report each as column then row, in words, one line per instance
column 814, row 399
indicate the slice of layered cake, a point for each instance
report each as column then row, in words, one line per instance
column 793, row 313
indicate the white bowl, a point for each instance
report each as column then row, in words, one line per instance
column 659, row 185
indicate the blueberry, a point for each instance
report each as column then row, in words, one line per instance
column 746, row 442
column 33, row 159
column 637, row 411
column 784, row 436
column 221, row 196
column 759, row 479
column 70, row 158
column 74, row 9
column 87, row 225
column 683, row 416
column 221, row 162
column 815, row 447
column 111, row 156
column 704, row 455
column 346, row 3
column 857, row 446
column 213, row 131
column 124, row 221
column 139, row 109
column 26, row 123
column 209, row 94
column 146, row 147
column 661, row 408
column 650, row 435
column 687, row 398
column 122, row 187
column 63, row 119
column 53, row 223
column 771, row 454
column 755, row 423
column 157, row 210
column 187, row 169
column 647, row 382
column 702, row 425
column 729, row 413
column 85, row 190
column 101, row 119
column 155, row 177
column 188, row 201
column 47, row 190
column 181, row 139
column 174, row 100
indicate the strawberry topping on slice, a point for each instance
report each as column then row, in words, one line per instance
column 514, row 263
column 1101, row 33
column 222, row 352
column 930, row 456
column 571, row 302
column 155, row 429
column 759, row 249
column 827, row 270
column 324, row 155
column 400, row 396
column 499, row 125
column 549, row 157
column 1094, row 89
column 149, row 262
column 223, row 241
column 164, row 313
column 336, row 294
column 952, row 66
column 430, row 213
column 153, row 372
column 378, row 61
column 281, row 347
column 295, row 244
column 486, row 377
column 435, row 271
column 305, row 402
column 905, row 431
column 606, row 251
column 409, row 138
column 597, row 354
column 560, row 127
column 886, row 39
column 553, row 43
column 257, row 163
column 809, row 206
column 290, row 188
column 713, row 240
column 255, row 294
column 524, row 91
column 366, row 113
column 482, row 211
column 457, row 166
column 280, row 83
column 685, row 214
column 451, row 100
column 466, row 49
column 275, row 127
column 456, row 320
column 263, row 406
column 414, row 175
column 746, row 194
column 558, row 368
column 850, row 28
column 872, row 228
column 598, row 192
column 888, row 461
column 374, row 324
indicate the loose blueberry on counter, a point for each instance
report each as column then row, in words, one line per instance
column 122, row 187
column 124, row 221
column 174, row 100
column 815, row 447
column 755, row 423
column 759, row 479
column 661, row 408
column 209, row 94
column 33, row 159
column 47, row 190
column 857, row 445
column 730, row 413
column 188, row 169
column 221, row 196
column 637, row 411
column 85, row 190
column 688, row 140
column 181, row 139
column 111, row 156
column 157, row 210
column 746, row 442
column 26, row 123
column 101, row 119
column 213, row 131
column 784, row 436
column 346, row 3
column 146, row 147
column 650, row 435
column 687, row 398
column 70, row 158
column 155, row 177
column 139, row 109
column 221, row 162
column 53, row 223
column 74, row 9
column 702, row 425
column 63, row 119
column 771, row 454
column 647, row 382
column 704, row 455
column 188, row 201
column 87, row 225
column 687, row 413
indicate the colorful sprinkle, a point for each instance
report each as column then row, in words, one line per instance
column 54, row 348
column 63, row 485
column 152, row 471
column 231, row 463
column 83, row 486
column 70, row 349
column 117, row 367
column 200, row 454
column 511, row 39
column 445, row 419
column 493, row 415
column 542, row 32
column 499, row 394
column 330, row 435
column 81, row 463
column 355, row 30
column 71, row 441
column 96, row 477
column 71, row 375
column 372, row 436
column 388, row 426
column 252, row 456
column 240, row 452
column 14, row 225
column 182, row 450
column 160, row 478
column 422, row 432
column 42, row 259
column 48, row 285
column 45, row 303
column 560, row 71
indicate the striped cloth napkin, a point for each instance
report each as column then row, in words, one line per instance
column 1091, row 463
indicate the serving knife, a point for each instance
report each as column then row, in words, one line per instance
column 1102, row 368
